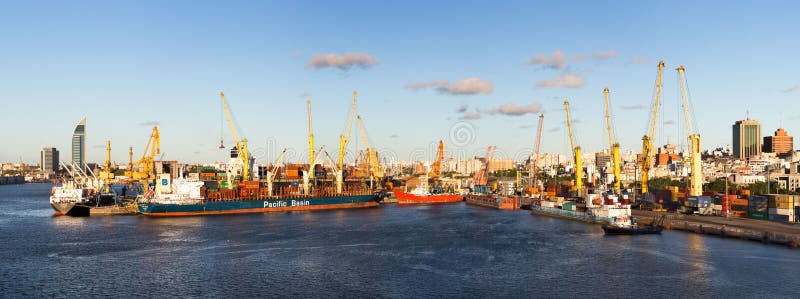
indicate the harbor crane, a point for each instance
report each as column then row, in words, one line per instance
column 147, row 162
column 344, row 138
column 696, row 166
column 107, row 174
column 646, row 159
column 535, row 163
column 311, row 153
column 371, row 154
column 271, row 173
column 481, row 178
column 576, row 152
column 436, row 173
column 240, row 144
column 613, row 144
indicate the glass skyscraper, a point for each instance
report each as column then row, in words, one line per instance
column 79, row 143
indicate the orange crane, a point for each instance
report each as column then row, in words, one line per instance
column 436, row 173
column 482, row 175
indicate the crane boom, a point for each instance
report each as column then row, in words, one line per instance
column 535, row 162
column 437, row 166
column 647, row 141
column 344, row 139
column 311, row 161
column 696, row 167
column 576, row 151
column 241, row 144
column 372, row 155
column 612, row 143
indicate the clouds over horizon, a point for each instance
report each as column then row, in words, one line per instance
column 792, row 89
column 566, row 80
column 596, row 55
column 557, row 61
column 343, row 62
column 468, row 86
column 512, row 109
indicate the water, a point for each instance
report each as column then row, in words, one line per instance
column 421, row 251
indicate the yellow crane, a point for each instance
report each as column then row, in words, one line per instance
column 241, row 144
column 147, row 162
column 696, row 166
column 344, row 139
column 372, row 155
column 576, row 152
column 107, row 174
column 613, row 144
column 311, row 153
column 646, row 159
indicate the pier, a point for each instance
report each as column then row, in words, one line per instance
column 743, row 228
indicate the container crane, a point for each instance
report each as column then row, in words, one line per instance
column 613, row 144
column 646, row 160
column 576, row 151
column 344, row 139
column 107, row 174
column 240, row 144
column 696, row 166
column 271, row 174
column 372, row 155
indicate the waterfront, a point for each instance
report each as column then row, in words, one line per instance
column 450, row 250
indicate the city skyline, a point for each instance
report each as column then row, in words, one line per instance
column 479, row 72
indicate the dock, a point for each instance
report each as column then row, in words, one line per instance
column 112, row 210
column 742, row 228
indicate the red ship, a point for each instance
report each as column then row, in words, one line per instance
column 410, row 198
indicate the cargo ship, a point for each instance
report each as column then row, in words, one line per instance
column 493, row 201
column 69, row 200
column 421, row 195
column 599, row 209
column 184, row 197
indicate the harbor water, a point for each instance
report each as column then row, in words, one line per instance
column 449, row 250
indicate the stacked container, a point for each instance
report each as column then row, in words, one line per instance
column 758, row 207
column 781, row 207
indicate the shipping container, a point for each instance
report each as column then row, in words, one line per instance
column 781, row 201
column 781, row 218
column 758, row 215
column 740, row 208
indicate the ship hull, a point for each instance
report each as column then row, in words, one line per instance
column 500, row 203
column 70, row 209
column 571, row 215
column 404, row 198
column 244, row 206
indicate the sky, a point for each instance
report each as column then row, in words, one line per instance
column 470, row 73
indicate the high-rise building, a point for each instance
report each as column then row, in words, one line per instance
column 781, row 143
column 746, row 139
column 79, row 143
column 49, row 160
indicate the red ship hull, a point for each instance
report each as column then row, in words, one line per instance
column 405, row 198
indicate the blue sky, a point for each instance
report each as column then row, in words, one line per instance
column 125, row 64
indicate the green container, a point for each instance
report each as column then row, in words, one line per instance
column 568, row 206
column 758, row 215
column 224, row 185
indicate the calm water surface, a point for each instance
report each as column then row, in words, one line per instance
column 421, row 251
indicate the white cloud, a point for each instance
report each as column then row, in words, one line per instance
column 470, row 115
column 580, row 57
column 639, row 60
column 605, row 55
column 513, row 109
column 149, row 123
column 462, row 108
column 669, row 122
column 568, row 80
column 557, row 61
column 634, row 107
column 468, row 86
column 792, row 89
column 554, row 129
column 343, row 62
column 394, row 136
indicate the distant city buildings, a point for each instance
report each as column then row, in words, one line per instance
column 781, row 143
column 49, row 160
column 746, row 139
column 79, row 143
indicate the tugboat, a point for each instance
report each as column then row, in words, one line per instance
column 634, row 228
